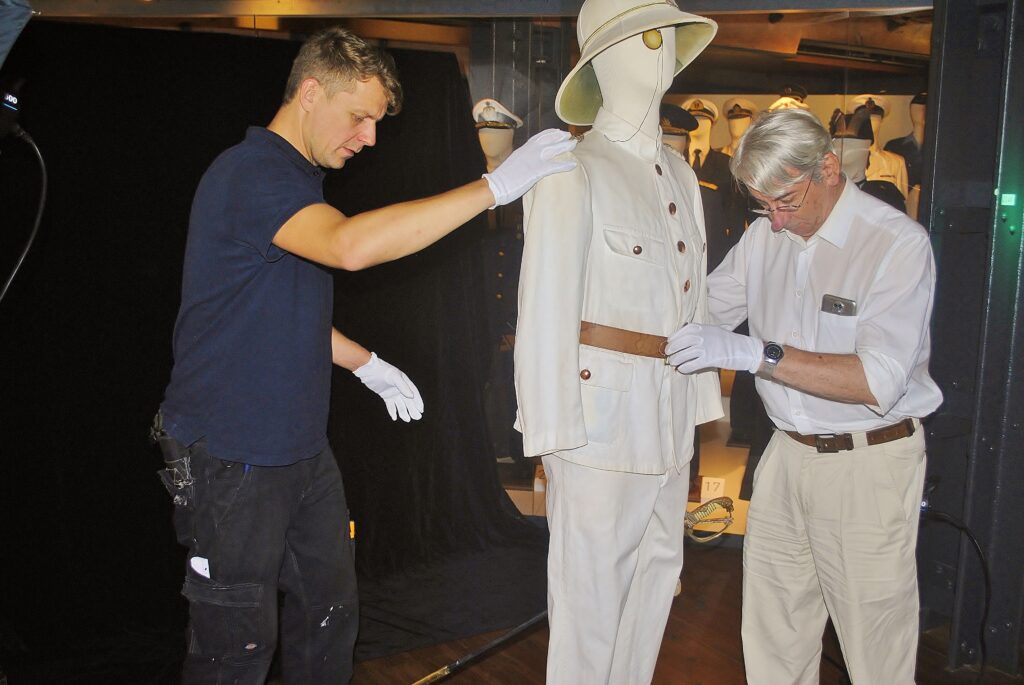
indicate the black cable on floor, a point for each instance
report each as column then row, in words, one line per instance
column 928, row 513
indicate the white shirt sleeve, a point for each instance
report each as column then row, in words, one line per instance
column 727, row 286
column 892, row 331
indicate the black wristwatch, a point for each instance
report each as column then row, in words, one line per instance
column 773, row 354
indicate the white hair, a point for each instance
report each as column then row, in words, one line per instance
column 779, row 149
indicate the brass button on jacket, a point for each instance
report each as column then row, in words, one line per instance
column 672, row 208
column 637, row 249
column 681, row 246
column 585, row 374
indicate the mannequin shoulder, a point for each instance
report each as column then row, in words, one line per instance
column 573, row 180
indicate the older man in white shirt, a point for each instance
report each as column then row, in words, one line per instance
column 838, row 289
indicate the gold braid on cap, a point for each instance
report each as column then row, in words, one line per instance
column 494, row 124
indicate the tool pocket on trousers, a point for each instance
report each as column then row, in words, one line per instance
column 182, row 492
column 225, row 619
column 605, row 380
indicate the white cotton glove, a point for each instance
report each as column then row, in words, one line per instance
column 400, row 395
column 694, row 347
column 529, row 164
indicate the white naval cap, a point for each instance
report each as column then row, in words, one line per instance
column 700, row 107
column 489, row 113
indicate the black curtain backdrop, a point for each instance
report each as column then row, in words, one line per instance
column 427, row 488
column 128, row 120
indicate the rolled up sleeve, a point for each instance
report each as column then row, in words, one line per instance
column 892, row 331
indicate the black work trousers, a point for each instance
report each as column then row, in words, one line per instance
column 252, row 531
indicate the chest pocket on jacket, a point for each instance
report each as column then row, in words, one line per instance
column 836, row 334
column 634, row 245
column 604, row 381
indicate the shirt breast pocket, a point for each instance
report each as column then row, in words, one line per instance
column 836, row 334
column 635, row 246
column 605, row 380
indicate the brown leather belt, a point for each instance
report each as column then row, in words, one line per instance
column 621, row 340
column 834, row 442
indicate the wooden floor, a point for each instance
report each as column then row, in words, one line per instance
column 701, row 644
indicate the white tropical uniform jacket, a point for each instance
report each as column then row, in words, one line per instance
column 619, row 241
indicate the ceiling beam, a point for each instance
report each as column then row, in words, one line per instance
column 420, row 8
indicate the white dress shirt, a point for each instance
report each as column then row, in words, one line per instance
column 865, row 252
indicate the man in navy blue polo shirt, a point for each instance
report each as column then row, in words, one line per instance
column 259, row 498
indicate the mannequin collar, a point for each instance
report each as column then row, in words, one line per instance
column 618, row 130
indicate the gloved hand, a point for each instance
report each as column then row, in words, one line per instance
column 695, row 346
column 529, row 164
column 400, row 395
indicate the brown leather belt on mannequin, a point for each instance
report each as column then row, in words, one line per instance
column 621, row 340
column 835, row 442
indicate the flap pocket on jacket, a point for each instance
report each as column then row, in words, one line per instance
column 634, row 245
column 604, row 381
column 601, row 369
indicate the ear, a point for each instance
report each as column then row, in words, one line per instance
column 309, row 91
column 831, row 169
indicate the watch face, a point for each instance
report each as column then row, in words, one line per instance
column 773, row 352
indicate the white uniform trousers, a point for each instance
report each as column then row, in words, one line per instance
column 615, row 554
column 833, row 535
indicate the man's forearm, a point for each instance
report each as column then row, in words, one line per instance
column 838, row 377
column 347, row 353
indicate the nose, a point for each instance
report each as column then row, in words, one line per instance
column 368, row 134
column 778, row 220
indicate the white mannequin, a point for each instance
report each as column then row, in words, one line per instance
column 700, row 139
column 496, row 144
column 680, row 144
column 853, row 156
column 614, row 244
column 633, row 78
column 737, row 127
column 885, row 166
column 918, row 115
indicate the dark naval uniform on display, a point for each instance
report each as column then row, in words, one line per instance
column 723, row 208
column 502, row 246
column 676, row 121
column 907, row 147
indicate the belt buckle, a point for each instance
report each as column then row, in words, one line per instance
column 826, row 444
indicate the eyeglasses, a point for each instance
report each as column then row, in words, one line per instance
column 764, row 211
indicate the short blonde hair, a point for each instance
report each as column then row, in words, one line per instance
column 337, row 58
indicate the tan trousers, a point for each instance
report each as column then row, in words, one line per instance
column 615, row 554
column 833, row 535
